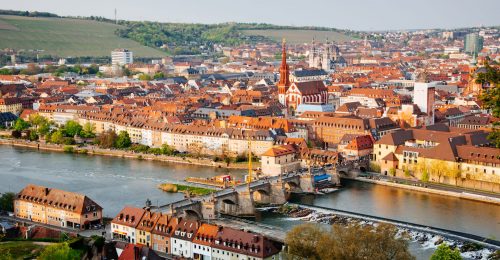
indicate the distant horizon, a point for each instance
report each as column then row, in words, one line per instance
column 368, row 16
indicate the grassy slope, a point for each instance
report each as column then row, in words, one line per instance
column 300, row 36
column 66, row 37
column 20, row 249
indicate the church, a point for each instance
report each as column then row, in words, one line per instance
column 293, row 94
column 326, row 57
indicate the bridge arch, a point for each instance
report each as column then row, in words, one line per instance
column 228, row 201
column 261, row 196
column 192, row 214
column 291, row 186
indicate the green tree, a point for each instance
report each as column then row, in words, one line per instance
column 57, row 137
column 144, row 77
column 61, row 251
column 72, row 128
column 7, row 201
column 167, row 149
column 88, row 130
column 159, row 75
column 444, row 252
column 21, row 125
column 123, row 140
column 491, row 98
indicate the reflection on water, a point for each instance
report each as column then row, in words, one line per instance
column 110, row 181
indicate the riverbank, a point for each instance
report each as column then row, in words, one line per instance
column 92, row 150
column 462, row 195
column 471, row 246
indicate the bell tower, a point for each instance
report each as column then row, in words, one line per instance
column 284, row 82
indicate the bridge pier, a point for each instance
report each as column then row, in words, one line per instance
column 278, row 193
column 245, row 203
column 307, row 183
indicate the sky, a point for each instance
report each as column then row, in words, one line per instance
column 346, row 14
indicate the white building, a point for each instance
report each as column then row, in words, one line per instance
column 182, row 239
column 423, row 97
column 279, row 159
column 121, row 57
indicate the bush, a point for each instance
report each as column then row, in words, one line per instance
column 68, row 149
column 68, row 141
column 139, row 148
column 374, row 167
column 83, row 151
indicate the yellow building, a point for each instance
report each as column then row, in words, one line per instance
column 458, row 157
column 12, row 105
column 57, row 207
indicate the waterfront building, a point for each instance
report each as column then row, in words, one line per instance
column 203, row 240
column 162, row 233
column 124, row 225
column 440, row 154
column 146, row 225
column 10, row 104
column 57, row 207
column 121, row 57
column 280, row 159
column 236, row 244
column 182, row 238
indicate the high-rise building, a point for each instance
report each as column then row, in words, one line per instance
column 121, row 57
column 473, row 43
column 423, row 97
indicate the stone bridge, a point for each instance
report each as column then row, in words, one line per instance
column 241, row 200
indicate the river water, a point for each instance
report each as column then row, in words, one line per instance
column 115, row 182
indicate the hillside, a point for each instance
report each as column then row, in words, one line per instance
column 299, row 36
column 65, row 37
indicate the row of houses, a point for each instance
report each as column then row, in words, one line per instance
column 190, row 239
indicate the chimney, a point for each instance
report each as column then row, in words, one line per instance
column 47, row 191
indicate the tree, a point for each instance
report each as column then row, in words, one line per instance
column 107, row 139
column 167, row 149
column 392, row 172
column 123, row 140
column 57, row 137
column 144, row 77
column 21, row 125
column 159, row 75
column 303, row 240
column 491, row 98
column 444, row 252
column 60, row 251
column 72, row 128
column 351, row 242
column 7, row 201
column 88, row 130
column 196, row 149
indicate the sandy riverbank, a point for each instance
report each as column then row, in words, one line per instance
column 92, row 150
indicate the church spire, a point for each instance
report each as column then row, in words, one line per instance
column 284, row 69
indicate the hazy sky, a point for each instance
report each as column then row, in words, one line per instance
column 344, row 14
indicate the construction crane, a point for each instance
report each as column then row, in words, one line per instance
column 250, row 170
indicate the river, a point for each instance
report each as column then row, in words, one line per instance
column 115, row 182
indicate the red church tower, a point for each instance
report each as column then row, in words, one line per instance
column 284, row 82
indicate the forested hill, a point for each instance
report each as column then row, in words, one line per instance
column 177, row 38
